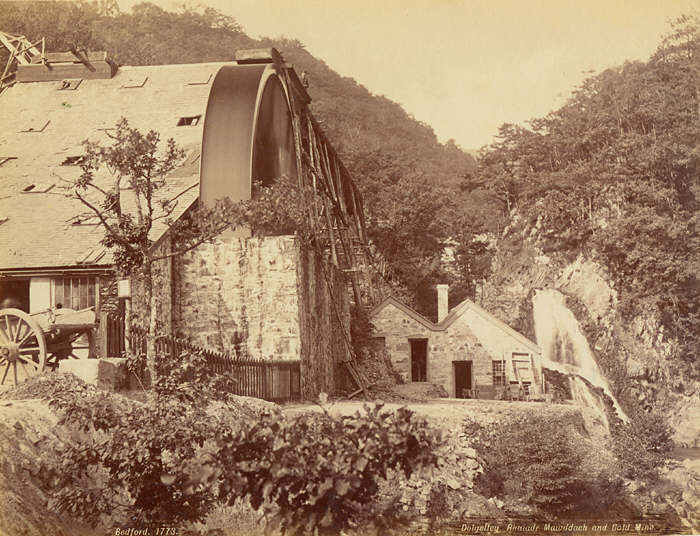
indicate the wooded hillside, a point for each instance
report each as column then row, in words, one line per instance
column 615, row 174
column 409, row 180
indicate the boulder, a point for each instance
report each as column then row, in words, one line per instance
column 110, row 374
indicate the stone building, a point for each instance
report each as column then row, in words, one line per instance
column 469, row 352
column 270, row 296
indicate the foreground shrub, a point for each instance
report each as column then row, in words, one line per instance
column 320, row 472
column 642, row 446
column 170, row 461
column 544, row 462
column 186, row 376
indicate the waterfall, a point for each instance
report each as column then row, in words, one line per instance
column 566, row 350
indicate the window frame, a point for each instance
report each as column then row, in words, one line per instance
column 503, row 376
column 87, row 288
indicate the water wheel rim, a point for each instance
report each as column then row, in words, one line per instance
column 22, row 346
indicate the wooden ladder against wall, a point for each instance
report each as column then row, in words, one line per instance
column 357, row 376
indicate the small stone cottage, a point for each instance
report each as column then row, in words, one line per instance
column 469, row 352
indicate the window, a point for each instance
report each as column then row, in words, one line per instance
column 189, row 121
column 36, row 128
column 70, row 84
column 498, row 369
column 73, row 160
column 522, row 368
column 74, row 292
column 41, row 188
column 135, row 83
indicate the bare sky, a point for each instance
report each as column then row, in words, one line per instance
column 465, row 66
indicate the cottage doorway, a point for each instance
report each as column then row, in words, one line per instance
column 419, row 360
column 463, row 379
column 15, row 294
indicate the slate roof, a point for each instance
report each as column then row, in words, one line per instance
column 41, row 125
column 453, row 315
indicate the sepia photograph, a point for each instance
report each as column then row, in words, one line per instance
column 349, row 267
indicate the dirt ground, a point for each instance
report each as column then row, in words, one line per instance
column 451, row 411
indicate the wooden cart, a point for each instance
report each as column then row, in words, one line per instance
column 32, row 343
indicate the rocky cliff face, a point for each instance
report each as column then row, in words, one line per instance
column 637, row 357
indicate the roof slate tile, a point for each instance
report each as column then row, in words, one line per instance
column 38, row 232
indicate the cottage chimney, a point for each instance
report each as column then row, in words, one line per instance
column 443, row 307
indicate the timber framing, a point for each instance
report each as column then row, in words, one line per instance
column 335, row 211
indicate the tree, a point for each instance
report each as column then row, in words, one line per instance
column 376, row 139
column 614, row 174
column 122, row 186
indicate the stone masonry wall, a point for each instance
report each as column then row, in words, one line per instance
column 469, row 338
column 162, row 278
column 324, row 320
column 238, row 289
column 269, row 295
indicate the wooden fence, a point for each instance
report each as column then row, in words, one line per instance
column 276, row 381
column 113, row 331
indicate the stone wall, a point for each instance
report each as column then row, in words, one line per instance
column 470, row 337
column 238, row 289
column 163, row 282
column 324, row 320
column 267, row 297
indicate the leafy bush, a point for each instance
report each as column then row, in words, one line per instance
column 170, row 460
column 542, row 461
column 113, row 470
column 319, row 472
column 186, row 376
column 643, row 445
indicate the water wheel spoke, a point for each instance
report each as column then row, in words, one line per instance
column 24, row 331
column 4, row 337
column 14, row 370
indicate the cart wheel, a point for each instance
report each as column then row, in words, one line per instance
column 77, row 346
column 84, row 346
column 22, row 346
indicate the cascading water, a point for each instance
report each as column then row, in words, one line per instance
column 566, row 350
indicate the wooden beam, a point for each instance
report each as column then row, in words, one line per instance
column 258, row 55
column 62, row 71
column 71, row 57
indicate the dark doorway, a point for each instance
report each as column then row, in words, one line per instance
column 14, row 294
column 419, row 360
column 463, row 379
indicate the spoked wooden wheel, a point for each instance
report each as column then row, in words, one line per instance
column 22, row 346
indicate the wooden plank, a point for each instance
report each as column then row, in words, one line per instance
column 61, row 71
column 70, row 57
column 258, row 55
